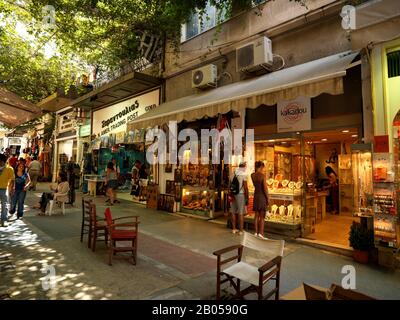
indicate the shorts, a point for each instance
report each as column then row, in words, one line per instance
column 239, row 205
column 113, row 184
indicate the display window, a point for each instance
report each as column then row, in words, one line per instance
column 284, row 163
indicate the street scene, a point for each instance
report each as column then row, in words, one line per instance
column 214, row 150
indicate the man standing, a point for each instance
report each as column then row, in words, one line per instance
column 34, row 169
column 241, row 195
column 7, row 179
column 71, row 180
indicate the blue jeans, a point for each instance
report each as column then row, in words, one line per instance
column 3, row 200
column 18, row 198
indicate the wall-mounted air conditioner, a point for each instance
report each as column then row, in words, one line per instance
column 254, row 55
column 205, row 76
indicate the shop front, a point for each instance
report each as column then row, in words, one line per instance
column 113, row 141
column 305, row 118
column 66, row 141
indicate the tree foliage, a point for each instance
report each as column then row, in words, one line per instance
column 101, row 33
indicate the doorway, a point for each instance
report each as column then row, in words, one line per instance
column 334, row 180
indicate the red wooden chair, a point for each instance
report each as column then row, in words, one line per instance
column 123, row 232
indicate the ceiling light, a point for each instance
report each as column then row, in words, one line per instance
column 354, row 136
column 324, row 139
column 345, row 131
column 272, row 140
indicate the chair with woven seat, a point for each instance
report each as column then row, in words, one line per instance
column 97, row 225
column 257, row 261
column 126, row 230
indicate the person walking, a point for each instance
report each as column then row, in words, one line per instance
column 111, row 182
column 260, row 202
column 241, row 196
column 6, row 183
column 22, row 182
column 34, row 170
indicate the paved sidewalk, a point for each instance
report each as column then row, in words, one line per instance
column 175, row 259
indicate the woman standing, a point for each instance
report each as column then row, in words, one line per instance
column 22, row 182
column 111, row 182
column 260, row 198
column 333, row 189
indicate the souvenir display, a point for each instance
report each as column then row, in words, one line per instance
column 385, row 201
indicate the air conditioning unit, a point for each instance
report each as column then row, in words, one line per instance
column 254, row 55
column 205, row 76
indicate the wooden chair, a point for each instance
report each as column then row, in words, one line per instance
column 97, row 225
column 255, row 271
column 122, row 232
column 85, row 227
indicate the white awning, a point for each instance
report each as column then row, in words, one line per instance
column 309, row 79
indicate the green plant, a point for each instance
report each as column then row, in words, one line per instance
column 360, row 237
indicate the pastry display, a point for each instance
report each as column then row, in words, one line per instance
column 285, row 183
column 292, row 185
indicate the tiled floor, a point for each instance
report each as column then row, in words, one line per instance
column 334, row 229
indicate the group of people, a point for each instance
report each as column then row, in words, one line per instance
column 113, row 174
column 240, row 199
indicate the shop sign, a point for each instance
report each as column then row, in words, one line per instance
column 115, row 118
column 381, row 144
column 65, row 122
column 294, row 115
column 84, row 131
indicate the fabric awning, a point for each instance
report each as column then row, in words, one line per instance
column 309, row 79
column 14, row 110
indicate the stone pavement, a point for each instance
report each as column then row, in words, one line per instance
column 175, row 259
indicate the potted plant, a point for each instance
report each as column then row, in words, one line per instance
column 362, row 241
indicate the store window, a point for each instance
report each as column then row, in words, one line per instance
column 284, row 163
column 211, row 17
column 393, row 62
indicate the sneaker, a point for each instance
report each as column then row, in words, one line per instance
column 4, row 224
column 235, row 231
column 262, row 237
column 256, row 234
column 240, row 232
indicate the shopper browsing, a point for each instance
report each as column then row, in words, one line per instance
column 240, row 193
column 260, row 198
column 111, row 182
